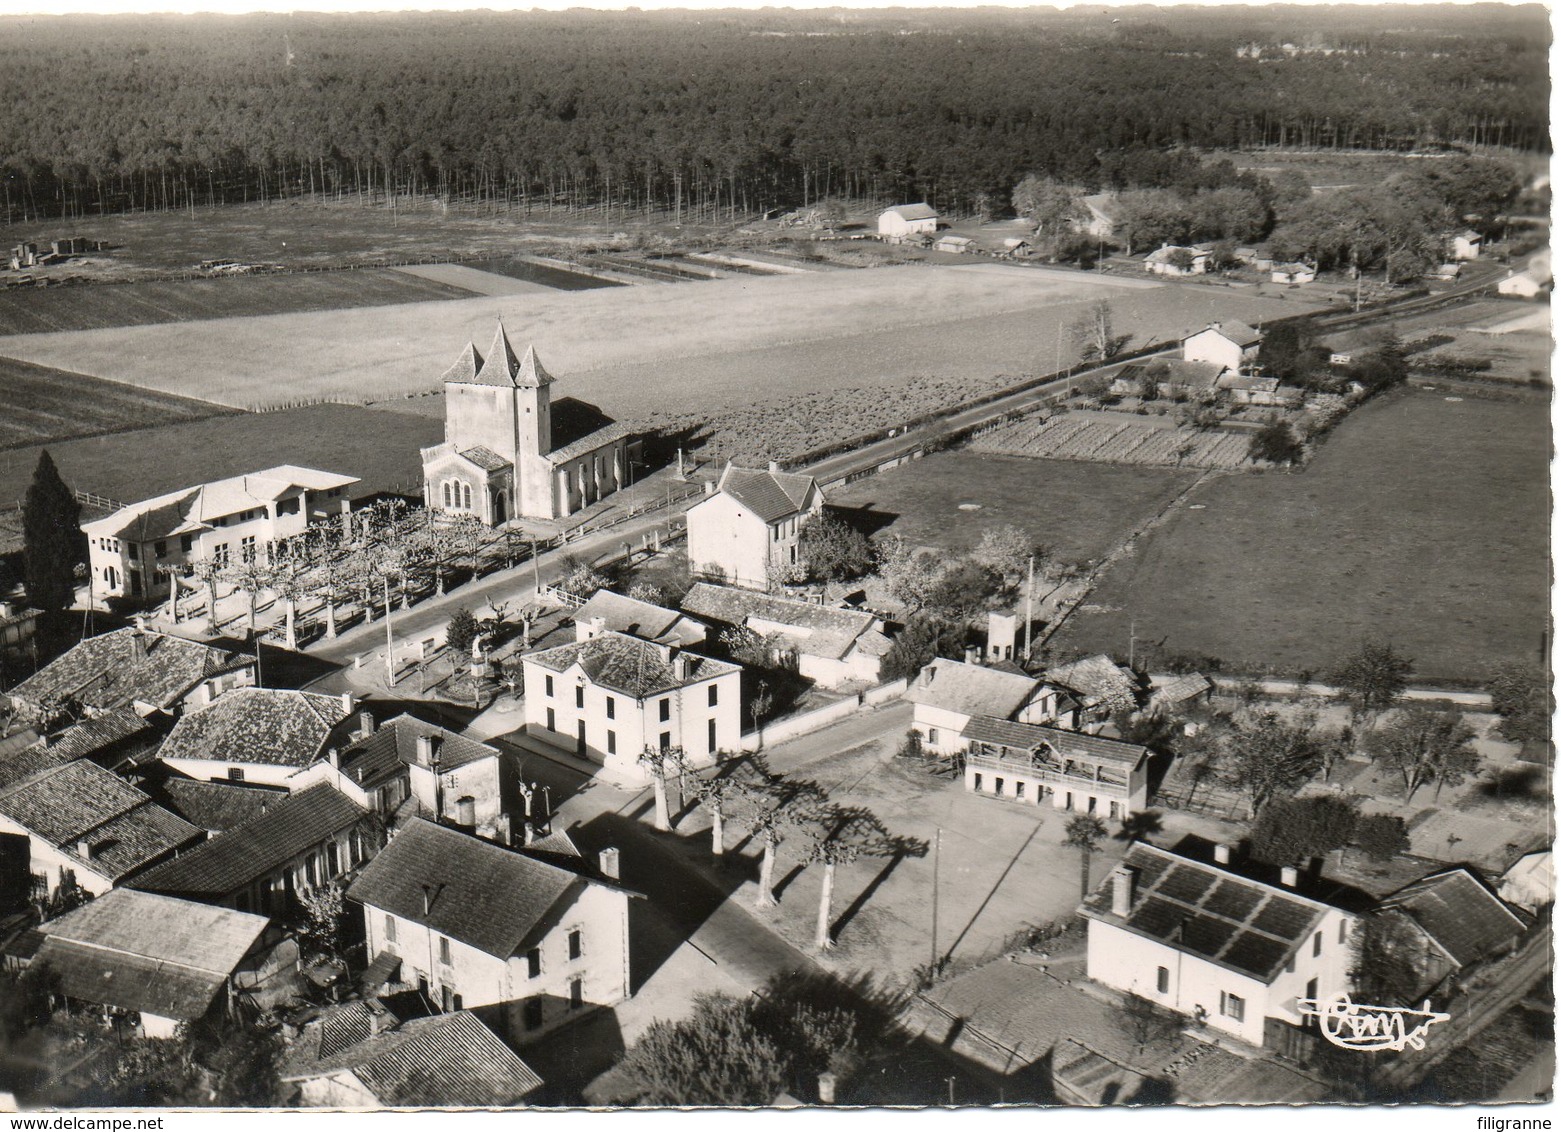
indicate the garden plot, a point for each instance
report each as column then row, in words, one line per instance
column 1076, row 436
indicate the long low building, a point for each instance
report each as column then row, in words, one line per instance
column 1068, row 770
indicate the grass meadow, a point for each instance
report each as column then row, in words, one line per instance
column 43, row 405
column 1422, row 521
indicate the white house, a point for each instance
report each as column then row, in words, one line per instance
column 959, row 245
column 948, row 694
column 1292, row 273
column 1232, row 345
column 526, row 938
column 903, row 220
column 256, row 736
column 1467, row 244
column 1067, row 770
column 132, row 551
column 1100, row 218
column 833, row 647
column 1206, row 942
column 1174, row 260
column 751, row 524
column 608, row 698
column 1523, row 285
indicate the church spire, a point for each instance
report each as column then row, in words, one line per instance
column 531, row 372
column 502, row 365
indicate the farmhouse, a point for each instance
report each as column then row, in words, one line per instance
column 137, row 550
column 750, row 526
column 534, row 934
column 1101, row 210
column 260, row 736
column 609, row 698
column 502, row 458
column 1467, row 244
column 1072, row 772
column 1174, row 260
column 304, row 841
column 833, row 647
column 607, row 611
column 1231, row 952
column 948, row 694
column 150, row 673
column 1173, row 377
column 367, row 1055
column 1454, row 921
column 907, row 220
column 167, row 961
column 1232, row 345
column 1018, row 247
column 80, row 826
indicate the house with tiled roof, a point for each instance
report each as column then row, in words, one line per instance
column 134, row 668
column 609, row 698
column 1173, row 377
column 907, row 221
column 749, row 526
column 406, row 767
column 527, row 939
column 948, row 694
column 135, row 551
column 833, row 647
column 365, row 1055
column 1173, row 259
column 1101, row 686
column 1172, row 691
column 1231, row 345
column 1456, row 923
column 167, row 961
column 504, row 456
column 609, row 611
column 215, row 807
column 303, row 842
column 1292, row 274
column 1233, row 953
column 86, row 827
column 1067, row 770
column 259, row 736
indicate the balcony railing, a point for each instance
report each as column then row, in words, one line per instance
column 1023, row 768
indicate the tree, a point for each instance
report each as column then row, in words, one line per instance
column 829, row 850
column 287, row 582
column 1382, row 837
column 329, row 571
column 1084, row 832
column 1291, row 829
column 52, row 542
column 1146, row 1022
column 769, row 808
column 659, row 763
column 209, row 571
column 1274, row 443
column 717, row 794
column 965, row 587
column 1520, row 694
column 1289, row 350
column 1093, row 335
column 1425, row 745
column 1381, row 367
column 1152, row 218
column 322, row 924
column 909, row 574
column 250, row 578
column 925, row 636
column 1263, row 756
column 833, row 550
column 461, row 632
column 1373, row 678
column 715, row 1056
column 1387, row 959
column 1007, row 550
column 1050, row 205
column 581, row 579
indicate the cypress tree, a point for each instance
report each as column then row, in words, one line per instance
column 54, row 544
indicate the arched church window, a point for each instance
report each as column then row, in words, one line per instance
column 446, row 486
column 466, row 496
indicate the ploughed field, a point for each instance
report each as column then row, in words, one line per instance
column 1422, row 521
column 670, row 348
column 38, row 405
column 1116, row 439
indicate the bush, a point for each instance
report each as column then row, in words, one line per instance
column 1382, row 836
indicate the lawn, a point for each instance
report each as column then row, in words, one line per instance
column 715, row 343
column 1080, row 510
column 44, row 405
column 27, row 310
column 1423, row 521
column 380, row 448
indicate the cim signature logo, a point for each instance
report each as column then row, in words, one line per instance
column 1355, row 1025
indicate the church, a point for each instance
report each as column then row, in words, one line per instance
column 510, row 452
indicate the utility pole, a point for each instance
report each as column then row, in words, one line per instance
column 536, row 571
column 1029, row 608
column 390, row 641
column 937, row 844
column 1132, row 640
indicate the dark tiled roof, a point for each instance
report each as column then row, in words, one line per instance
column 464, row 368
column 107, row 671
column 628, row 665
column 156, row 522
column 816, row 630
column 486, row 459
column 629, row 615
column 590, row 442
column 99, row 732
column 215, row 806
column 256, row 725
column 131, row 840
column 1067, row 744
column 1238, row 332
column 148, row 953
column 483, row 894
column 393, row 747
column 1178, row 689
column 769, row 495
column 28, row 761
column 1204, row 911
column 1466, row 919
column 448, row 1060
column 257, row 848
column 1099, row 679
column 970, row 689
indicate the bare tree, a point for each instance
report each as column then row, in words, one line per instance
column 716, row 794
column 209, row 572
column 659, row 763
column 251, row 579
column 770, row 808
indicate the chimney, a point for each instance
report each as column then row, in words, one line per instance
column 680, row 666
column 972, row 654
column 333, row 756
column 774, row 466
column 84, row 849
column 1122, row 882
column 138, row 641
column 1289, row 876
column 5, row 610
column 349, row 703
column 710, row 487
column 425, row 750
column 595, row 625
column 607, row 861
column 365, row 724
column 1221, row 853
column 466, row 812
column 528, row 834
column 826, row 1088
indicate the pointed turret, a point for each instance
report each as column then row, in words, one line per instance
column 465, row 366
column 531, row 374
column 502, row 365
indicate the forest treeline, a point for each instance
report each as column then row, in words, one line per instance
column 730, row 113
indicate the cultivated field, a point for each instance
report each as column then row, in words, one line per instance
column 40, row 405
column 380, row 448
column 1115, row 439
column 1422, row 521
column 1080, row 510
column 715, row 343
column 26, row 310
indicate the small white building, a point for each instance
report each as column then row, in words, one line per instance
column 1018, row 247
column 751, row 525
column 1531, row 881
column 1292, row 274
column 1523, row 285
column 609, row 698
column 1467, row 244
column 132, row 550
column 959, row 245
column 1100, row 219
column 1231, row 345
column 1208, row 943
column 526, row 938
column 907, row 220
column 1174, row 260
column 948, row 694
column 1067, row 770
